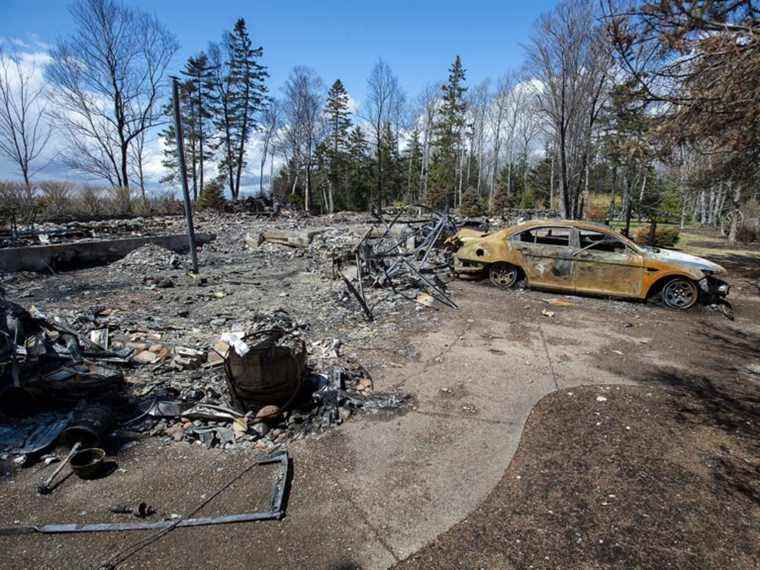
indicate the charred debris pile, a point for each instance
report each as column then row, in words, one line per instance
column 99, row 380
column 105, row 377
column 398, row 256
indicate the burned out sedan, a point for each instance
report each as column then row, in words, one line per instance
column 587, row 258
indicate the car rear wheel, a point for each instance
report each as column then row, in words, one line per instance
column 503, row 275
column 680, row 293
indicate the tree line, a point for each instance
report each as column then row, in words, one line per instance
column 624, row 109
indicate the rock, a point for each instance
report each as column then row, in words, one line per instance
column 364, row 385
column 165, row 283
column 240, row 427
column 145, row 357
column 188, row 358
column 178, row 434
column 268, row 413
column 260, row 428
column 218, row 353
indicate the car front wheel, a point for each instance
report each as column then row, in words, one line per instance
column 503, row 275
column 680, row 293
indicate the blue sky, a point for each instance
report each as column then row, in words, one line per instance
column 337, row 38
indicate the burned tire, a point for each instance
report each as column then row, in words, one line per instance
column 503, row 275
column 680, row 293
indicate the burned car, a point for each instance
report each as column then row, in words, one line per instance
column 588, row 258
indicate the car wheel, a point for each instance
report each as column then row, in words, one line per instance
column 680, row 293
column 503, row 275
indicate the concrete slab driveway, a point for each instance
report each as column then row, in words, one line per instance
column 379, row 488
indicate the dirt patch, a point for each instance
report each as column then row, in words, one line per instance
column 594, row 485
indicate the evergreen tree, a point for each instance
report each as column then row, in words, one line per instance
column 393, row 165
column 169, row 137
column 471, row 204
column 212, row 196
column 338, row 124
column 239, row 96
column 359, row 170
column 413, row 160
column 321, row 177
column 448, row 138
column 169, row 143
column 500, row 203
column 198, row 125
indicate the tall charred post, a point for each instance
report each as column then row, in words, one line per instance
column 183, row 174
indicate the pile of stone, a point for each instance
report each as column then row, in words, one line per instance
column 183, row 394
column 150, row 258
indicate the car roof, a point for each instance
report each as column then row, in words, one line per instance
column 560, row 223
column 540, row 223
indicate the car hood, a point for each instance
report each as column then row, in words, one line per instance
column 684, row 259
column 465, row 234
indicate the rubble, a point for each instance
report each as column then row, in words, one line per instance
column 164, row 350
column 267, row 396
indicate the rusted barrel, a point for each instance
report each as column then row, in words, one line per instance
column 268, row 374
column 89, row 426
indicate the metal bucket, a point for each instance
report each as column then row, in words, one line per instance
column 89, row 426
column 268, row 374
column 88, row 463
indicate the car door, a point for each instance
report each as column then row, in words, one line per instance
column 605, row 264
column 546, row 256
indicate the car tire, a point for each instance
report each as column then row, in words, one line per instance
column 680, row 294
column 504, row 275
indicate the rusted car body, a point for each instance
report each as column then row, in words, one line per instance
column 587, row 258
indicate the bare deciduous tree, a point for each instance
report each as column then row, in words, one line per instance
column 428, row 102
column 23, row 131
column 479, row 102
column 571, row 59
column 270, row 122
column 107, row 80
column 385, row 102
column 302, row 106
column 499, row 114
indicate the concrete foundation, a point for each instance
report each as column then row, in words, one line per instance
column 43, row 258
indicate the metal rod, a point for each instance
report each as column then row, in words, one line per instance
column 183, row 175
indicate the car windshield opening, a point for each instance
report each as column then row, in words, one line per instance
column 598, row 241
column 546, row 236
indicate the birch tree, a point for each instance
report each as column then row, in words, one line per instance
column 569, row 57
column 385, row 101
column 107, row 81
column 302, row 106
column 24, row 134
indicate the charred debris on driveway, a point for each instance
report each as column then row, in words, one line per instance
column 81, row 380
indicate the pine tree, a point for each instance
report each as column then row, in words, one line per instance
column 321, row 175
column 500, row 200
column 338, row 123
column 393, row 165
column 169, row 142
column 239, row 96
column 212, row 196
column 413, row 160
column 198, row 126
column 169, row 136
column 471, row 204
column 448, row 138
column 359, row 170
